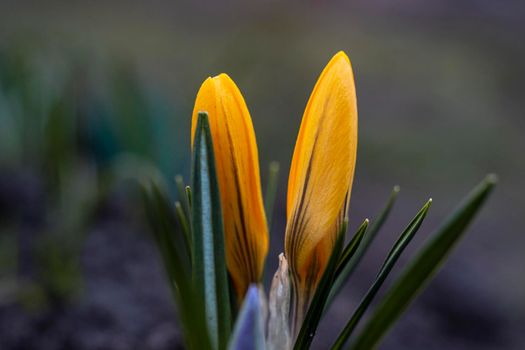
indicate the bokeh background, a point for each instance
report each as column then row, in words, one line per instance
column 96, row 93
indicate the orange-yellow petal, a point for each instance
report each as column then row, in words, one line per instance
column 321, row 175
column 237, row 165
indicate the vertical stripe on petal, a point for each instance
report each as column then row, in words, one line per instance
column 321, row 176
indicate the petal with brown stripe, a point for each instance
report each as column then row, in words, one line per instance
column 321, row 177
column 237, row 164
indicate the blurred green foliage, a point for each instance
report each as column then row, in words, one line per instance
column 77, row 129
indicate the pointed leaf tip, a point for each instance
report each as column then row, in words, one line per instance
column 492, row 179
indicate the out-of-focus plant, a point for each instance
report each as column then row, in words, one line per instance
column 66, row 125
column 39, row 117
column 214, row 241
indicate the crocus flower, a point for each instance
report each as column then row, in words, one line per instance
column 320, row 180
column 237, row 165
column 319, row 184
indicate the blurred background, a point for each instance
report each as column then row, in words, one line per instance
column 94, row 94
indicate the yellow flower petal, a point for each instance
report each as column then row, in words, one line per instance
column 237, row 164
column 321, row 176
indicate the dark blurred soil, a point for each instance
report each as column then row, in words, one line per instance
column 124, row 302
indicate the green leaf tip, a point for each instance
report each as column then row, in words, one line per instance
column 202, row 115
column 184, row 203
column 492, row 179
column 188, row 195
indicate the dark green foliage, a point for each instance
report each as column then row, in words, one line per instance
column 394, row 254
column 406, row 287
column 177, row 264
column 423, row 266
column 341, row 275
column 368, row 239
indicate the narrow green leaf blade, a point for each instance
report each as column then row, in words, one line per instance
column 351, row 248
column 391, row 259
column 169, row 232
column 209, row 263
column 343, row 270
column 350, row 266
column 372, row 233
column 185, row 226
column 423, row 267
column 188, row 195
column 176, row 264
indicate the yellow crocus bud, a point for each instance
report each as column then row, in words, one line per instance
column 320, row 180
column 237, row 165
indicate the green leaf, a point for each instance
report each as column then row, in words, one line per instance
column 166, row 230
column 188, row 195
column 209, row 263
column 356, row 257
column 372, row 233
column 271, row 191
column 342, row 272
column 423, row 267
column 315, row 311
column 249, row 328
column 351, row 247
column 182, row 209
column 177, row 265
column 402, row 242
column 183, row 220
column 183, row 196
